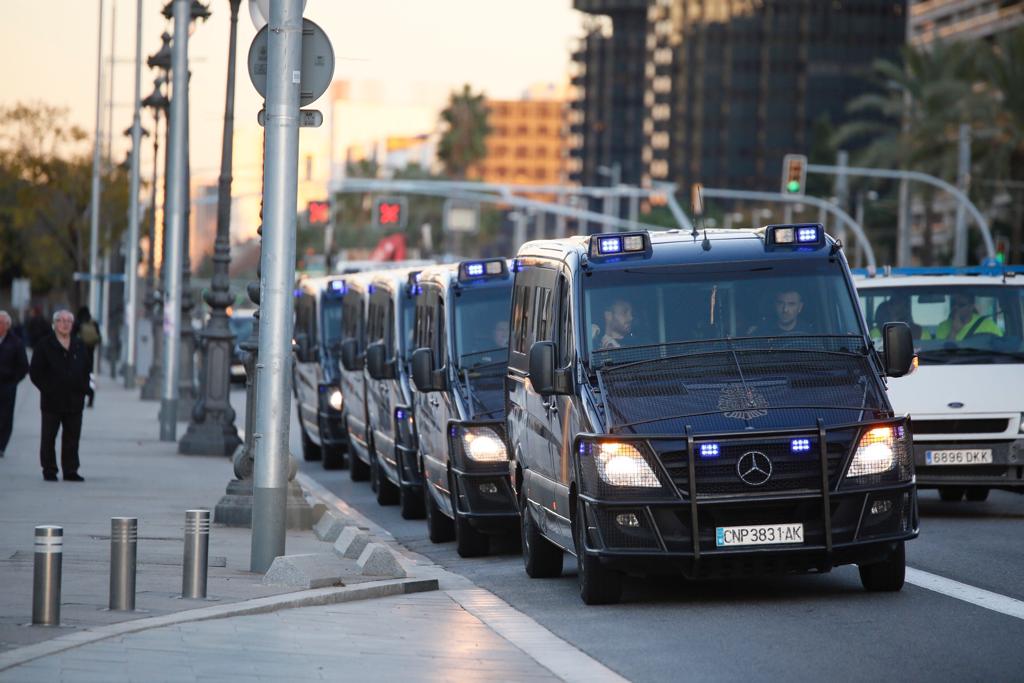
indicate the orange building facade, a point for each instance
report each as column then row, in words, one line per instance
column 526, row 145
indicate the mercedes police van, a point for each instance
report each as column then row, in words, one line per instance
column 965, row 395
column 394, row 469
column 354, row 294
column 704, row 404
column 316, row 370
column 458, row 369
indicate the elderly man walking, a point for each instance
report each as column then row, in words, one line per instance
column 60, row 369
column 13, row 368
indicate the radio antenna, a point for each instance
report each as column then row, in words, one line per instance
column 697, row 204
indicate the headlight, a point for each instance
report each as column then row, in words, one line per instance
column 335, row 400
column 1021, row 428
column 483, row 444
column 621, row 464
column 874, row 453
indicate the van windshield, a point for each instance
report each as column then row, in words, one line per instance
column 952, row 323
column 481, row 326
column 331, row 328
column 632, row 314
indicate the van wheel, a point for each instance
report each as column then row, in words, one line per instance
column 598, row 584
column 951, row 494
column 976, row 495
column 440, row 529
column 333, row 458
column 541, row 558
column 411, row 503
column 885, row 576
column 387, row 493
column 357, row 469
column 310, row 451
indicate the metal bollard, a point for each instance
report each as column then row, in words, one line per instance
column 124, row 539
column 49, row 553
column 197, row 550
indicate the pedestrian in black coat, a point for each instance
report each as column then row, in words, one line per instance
column 60, row 369
column 13, row 368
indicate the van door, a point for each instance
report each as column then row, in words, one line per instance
column 379, row 398
column 433, row 410
column 306, row 367
column 563, row 422
column 353, row 382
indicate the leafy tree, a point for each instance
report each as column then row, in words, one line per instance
column 465, row 128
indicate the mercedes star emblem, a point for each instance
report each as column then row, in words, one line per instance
column 754, row 468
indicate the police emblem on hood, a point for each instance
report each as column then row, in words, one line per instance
column 742, row 403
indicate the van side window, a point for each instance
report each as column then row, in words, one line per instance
column 565, row 339
column 440, row 347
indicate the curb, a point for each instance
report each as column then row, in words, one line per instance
column 310, row 598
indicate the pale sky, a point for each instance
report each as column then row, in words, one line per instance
column 48, row 52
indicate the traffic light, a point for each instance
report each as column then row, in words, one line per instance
column 794, row 174
column 1002, row 249
column 319, row 212
column 389, row 212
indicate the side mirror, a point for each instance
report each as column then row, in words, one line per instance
column 424, row 375
column 350, row 359
column 542, row 367
column 377, row 363
column 899, row 349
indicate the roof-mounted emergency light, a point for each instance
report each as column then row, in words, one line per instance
column 795, row 236
column 336, row 288
column 470, row 271
column 621, row 244
column 412, row 284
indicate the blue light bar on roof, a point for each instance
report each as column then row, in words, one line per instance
column 799, row 235
column 338, row 286
column 609, row 245
column 622, row 243
column 807, row 235
column 473, row 270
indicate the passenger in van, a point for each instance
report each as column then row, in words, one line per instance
column 895, row 310
column 618, row 324
column 788, row 305
column 501, row 334
column 964, row 321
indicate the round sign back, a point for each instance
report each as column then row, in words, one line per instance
column 317, row 62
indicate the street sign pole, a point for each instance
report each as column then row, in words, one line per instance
column 94, row 202
column 273, row 370
column 173, row 241
column 131, row 261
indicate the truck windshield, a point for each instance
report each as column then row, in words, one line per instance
column 952, row 323
column 481, row 326
column 632, row 313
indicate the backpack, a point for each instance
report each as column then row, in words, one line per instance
column 88, row 333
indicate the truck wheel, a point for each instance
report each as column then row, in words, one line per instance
column 951, row 494
column 977, row 495
column 310, row 451
column 468, row 541
column 387, row 493
column 357, row 469
column 541, row 558
column 598, row 584
column 411, row 503
column 885, row 576
column 440, row 529
column 333, row 458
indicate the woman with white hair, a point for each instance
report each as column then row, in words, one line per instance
column 13, row 368
column 60, row 368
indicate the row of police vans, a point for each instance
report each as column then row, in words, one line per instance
column 710, row 405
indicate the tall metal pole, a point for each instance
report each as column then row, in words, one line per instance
column 131, row 255
column 176, row 223
column 104, row 312
column 963, row 183
column 212, row 427
column 94, row 218
column 273, row 372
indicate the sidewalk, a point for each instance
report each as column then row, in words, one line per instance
column 460, row 632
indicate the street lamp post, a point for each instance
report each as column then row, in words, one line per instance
column 212, row 429
column 131, row 255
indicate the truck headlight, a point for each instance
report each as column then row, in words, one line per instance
column 874, row 453
column 335, row 399
column 483, row 444
column 1021, row 428
column 622, row 464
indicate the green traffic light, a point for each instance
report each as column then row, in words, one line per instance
column 793, row 186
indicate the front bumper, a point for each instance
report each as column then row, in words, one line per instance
column 484, row 497
column 333, row 430
column 409, row 474
column 1006, row 470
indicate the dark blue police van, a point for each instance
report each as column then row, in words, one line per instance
column 704, row 404
column 458, row 369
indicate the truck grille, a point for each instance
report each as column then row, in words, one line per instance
column 961, row 426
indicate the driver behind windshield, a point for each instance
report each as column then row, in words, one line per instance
column 618, row 324
column 788, row 305
column 964, row 321
column 896, row 309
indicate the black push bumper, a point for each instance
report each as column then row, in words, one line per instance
column 333, row 431
column 485, row 498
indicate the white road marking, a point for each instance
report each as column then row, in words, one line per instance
column 961, row 591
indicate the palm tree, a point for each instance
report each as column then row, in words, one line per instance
column 465, row 129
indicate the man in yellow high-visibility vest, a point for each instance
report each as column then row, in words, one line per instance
column 964, row 321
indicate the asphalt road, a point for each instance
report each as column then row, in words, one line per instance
column 789, row 628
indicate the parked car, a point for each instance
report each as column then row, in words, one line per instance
column 242, row 324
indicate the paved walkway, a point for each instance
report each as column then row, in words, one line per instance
column 458, row 633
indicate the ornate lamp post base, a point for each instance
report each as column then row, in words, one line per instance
column 211, row 430
column 235, row 507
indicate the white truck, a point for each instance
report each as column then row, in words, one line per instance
column 966, row 395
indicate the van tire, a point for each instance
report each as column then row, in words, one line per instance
column 976, row 495
column 886, row 576
column 411, row 503
column 541, row 558
column 310, row 451
column 387, row 493
column 357, row 469
column 440, row 528
column 598, row 584
column 333, row 458
column 468, row 541
column 951, row 494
